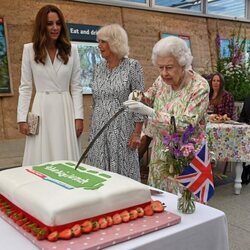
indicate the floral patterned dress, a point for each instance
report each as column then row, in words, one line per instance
column 110, row 89
column 188, row 105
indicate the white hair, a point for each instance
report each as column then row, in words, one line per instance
column 173, row 46
column 116, row 37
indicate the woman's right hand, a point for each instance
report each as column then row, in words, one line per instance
column 23, row 128
column 139, row 107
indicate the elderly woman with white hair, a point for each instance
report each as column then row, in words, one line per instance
column 114, row 79
column 178, row 92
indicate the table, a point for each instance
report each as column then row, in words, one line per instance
column 205, row 229
column 230, row 142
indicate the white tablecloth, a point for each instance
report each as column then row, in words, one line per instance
column 206, row 229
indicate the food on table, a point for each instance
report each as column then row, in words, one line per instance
column 218, row 118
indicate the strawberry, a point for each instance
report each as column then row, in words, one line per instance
column 125, row 216
column 96, row 226
column 4, row 205
column 103, row 222
column 109, row 220
column 21, row 221
column 53, row 236
column 15, row 217
column 140, row 211
column 25, row 225
column 35, row 230
column 76, row 230
column 117, row 219
column 66, row 234
column 30, row 227
column 9, row 212
column 157, row 206
column 45, row 230
column 148, row 210
column 133, row 214
column 21, row 215
column 42, row 233
column 87, row 226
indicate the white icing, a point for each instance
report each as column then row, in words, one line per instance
column 54, row 205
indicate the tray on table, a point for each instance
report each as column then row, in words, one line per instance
column 107, row 237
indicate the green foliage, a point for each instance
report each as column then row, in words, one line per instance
column 236, row 67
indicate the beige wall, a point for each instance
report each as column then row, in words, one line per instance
column 143, row 29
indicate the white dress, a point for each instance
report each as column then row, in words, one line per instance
column 58, row 102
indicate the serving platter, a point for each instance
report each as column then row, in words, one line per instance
column 107, row 237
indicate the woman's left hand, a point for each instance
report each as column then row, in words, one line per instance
column 79, row 126
column 134, row 140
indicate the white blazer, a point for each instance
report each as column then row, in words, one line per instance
column 49, row 78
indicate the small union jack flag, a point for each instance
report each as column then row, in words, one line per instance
column 197, row 177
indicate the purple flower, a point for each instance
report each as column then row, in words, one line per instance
column 177, row 153
column 180, row 145
column 189, row 131
column 166, row 140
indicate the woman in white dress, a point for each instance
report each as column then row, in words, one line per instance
column 116, row 148
column 53, row 65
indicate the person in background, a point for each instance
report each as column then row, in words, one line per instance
column 116, row 148
column 245, row 112
column 178, row 91
column 245, row 117
column 221, row 102
column 53, row 64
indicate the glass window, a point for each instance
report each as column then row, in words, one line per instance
column 135, row 1
column 182, row 4
column 231, row 8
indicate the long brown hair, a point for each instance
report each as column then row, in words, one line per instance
column 40, row 36
column 218, row 98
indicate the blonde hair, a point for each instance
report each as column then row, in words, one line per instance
column 173, row 46
column 116, row 37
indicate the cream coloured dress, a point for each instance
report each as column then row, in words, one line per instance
column 58, row 102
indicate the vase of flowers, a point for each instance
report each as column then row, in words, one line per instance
column 186, row 202
column 179, row 150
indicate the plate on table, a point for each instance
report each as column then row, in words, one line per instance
column 214, row 118
column 233, row 122
column 214, row 121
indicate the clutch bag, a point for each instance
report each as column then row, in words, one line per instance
column 33, row 122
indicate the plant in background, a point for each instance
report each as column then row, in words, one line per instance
column 236, row 66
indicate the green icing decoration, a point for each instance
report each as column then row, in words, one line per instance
column 87, row 179
column 70, row 163
column 82, row 168
column 105, row 175
column 92, row 171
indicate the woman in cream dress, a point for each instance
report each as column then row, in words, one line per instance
column 53, row 65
